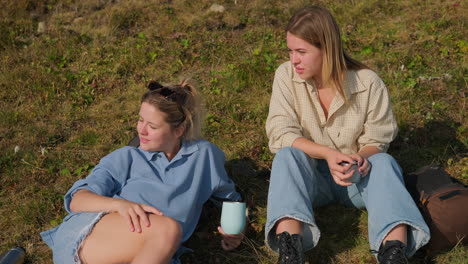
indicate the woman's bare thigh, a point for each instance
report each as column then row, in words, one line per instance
column 111, row 241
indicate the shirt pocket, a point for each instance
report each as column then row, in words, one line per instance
column 345, row 138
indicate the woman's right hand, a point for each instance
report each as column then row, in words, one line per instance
column 338, row 172
column 135, row 214
column 332, row 156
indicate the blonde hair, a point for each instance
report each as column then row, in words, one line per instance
column 182, row 105
column 317, row 26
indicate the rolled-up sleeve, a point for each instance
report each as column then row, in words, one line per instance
column 225, row 188
column 106, row 179
column 380, row 127
column 282, row 125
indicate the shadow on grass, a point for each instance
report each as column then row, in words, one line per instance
column 340, row 232
column 252, row 182
column 435, row 143
column 339, row 225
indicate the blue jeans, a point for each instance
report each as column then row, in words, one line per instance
column 299, row 183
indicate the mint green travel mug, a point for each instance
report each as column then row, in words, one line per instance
column 233, row 216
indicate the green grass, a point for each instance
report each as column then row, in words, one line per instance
column 70, row 94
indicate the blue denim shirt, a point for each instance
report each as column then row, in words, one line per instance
column 178, row 188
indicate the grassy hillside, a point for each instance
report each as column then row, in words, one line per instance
column 72, row 73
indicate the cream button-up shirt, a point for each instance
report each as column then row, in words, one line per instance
column 295, row 111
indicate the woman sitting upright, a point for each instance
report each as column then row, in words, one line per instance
column 328, row 110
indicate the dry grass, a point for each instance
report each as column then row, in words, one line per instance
column 69, row 95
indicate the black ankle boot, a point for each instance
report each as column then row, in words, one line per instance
column 290, row 249
column 392, row 252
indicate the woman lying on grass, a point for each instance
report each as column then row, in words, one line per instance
column 326, row 110
column 139, row 204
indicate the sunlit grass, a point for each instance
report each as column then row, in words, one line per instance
column 69, row 95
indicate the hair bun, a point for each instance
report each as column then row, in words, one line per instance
column 185, row 84
column 154, row 85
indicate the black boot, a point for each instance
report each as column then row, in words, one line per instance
column 392, row 252
column 290, row 249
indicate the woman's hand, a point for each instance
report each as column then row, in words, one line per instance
column 230, row 242
column 337, row 171
column 135, row 214
column 342, row 174
column 364, row 165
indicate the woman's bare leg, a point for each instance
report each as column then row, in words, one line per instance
column 111, row 241
column 290, row 225
column 399, row 232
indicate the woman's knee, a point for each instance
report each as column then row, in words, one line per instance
column 382, row 159
column 292, row 165
column 288, row 152
column 166, row 228
column 291, row 155
column 385, row 164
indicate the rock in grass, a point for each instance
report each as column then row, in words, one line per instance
column 41, row 27
column 217, row 8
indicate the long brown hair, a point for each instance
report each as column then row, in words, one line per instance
column 317, row 26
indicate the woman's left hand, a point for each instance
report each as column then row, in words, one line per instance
column 230, row 242
column 364, row 165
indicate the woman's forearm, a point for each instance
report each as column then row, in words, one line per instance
column 368, row 151
column 313, row 149
column 319, row 151
column 87, row 201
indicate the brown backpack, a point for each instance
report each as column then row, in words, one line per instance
column 443, row 202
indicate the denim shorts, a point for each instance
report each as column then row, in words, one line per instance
column 65, row 240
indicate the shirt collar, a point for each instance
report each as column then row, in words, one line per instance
column 351, row 84
column 188, row 147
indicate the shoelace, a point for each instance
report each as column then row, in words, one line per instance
column 398, row 256
column 290, row 254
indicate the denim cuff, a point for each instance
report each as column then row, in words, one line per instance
column 417, row 237
column 310, row 232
